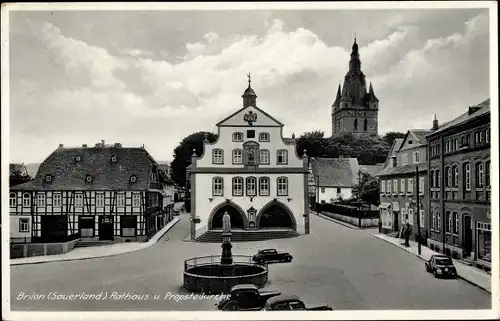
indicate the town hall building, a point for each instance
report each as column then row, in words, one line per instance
column 252, row 173
column 355, row 109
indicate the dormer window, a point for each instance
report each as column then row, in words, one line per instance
column 410, row 142
column 78, row 158
column 263, row 137
column 89, row 179
column 237, row 137
column 133, row 179
column 113, row 159
column 48, row 178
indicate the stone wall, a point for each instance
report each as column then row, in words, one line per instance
column 37, row 249
column 365, row 222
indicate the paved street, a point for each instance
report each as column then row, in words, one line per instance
column 346, row 268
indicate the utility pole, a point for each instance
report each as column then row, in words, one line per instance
column 359, row 198
column 418, row 215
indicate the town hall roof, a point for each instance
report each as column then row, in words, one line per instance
column 70, row 167
column 335, row 172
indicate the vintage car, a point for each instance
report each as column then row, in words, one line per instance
column 441, row 265
column 246, row 297
column 271, row 255
column 292, row 302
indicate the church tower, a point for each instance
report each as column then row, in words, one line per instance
column 355, row 109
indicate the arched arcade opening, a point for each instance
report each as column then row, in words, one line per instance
column 237, row 217
column 276, row 215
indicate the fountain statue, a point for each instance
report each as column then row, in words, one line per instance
column 227, row 256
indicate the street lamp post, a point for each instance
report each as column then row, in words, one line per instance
column 418, row 214
column 359, row 198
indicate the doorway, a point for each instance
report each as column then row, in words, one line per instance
column 467, row 235
column 106, row 228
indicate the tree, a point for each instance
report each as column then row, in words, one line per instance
column 391, row 136
column 17, row 177
column 184, row 152
column 369, row 149
column 313, row 142
column 369, row 191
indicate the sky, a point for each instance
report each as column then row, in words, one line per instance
column 154, row 77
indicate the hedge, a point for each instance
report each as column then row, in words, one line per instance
column 342, row 209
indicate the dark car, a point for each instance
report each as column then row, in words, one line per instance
column 441, row 265
column 271, row 255
column 292, row 302
column 246, row 297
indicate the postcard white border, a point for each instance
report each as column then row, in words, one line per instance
column 344, row 315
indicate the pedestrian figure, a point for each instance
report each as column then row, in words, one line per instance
column 407, row 233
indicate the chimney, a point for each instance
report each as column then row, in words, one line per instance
column 103, row 143
column 61, row 145
column 84, row 145
column 435, row 123
column 394, row 161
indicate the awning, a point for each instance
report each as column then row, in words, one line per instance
column 384, row 206
column 395, row 206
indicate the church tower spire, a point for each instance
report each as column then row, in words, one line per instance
column 355, row 63
column 249, row 96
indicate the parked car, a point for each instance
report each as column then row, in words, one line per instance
column 246, row 297
column 292, row 302
column 441, row 265
column 271, row 255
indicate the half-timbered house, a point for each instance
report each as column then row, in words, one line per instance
column 103, row 192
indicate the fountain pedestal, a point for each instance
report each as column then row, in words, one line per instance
column 227, row 256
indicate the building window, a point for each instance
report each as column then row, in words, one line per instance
column 404, row 159
column 449, row 222
column 120, row 200
column 487, row 136
column 251, row 186
column 433, row 220
column 282, row 155
column 484, row 241
column 237, row 137
column 448, row 177
column 282, row 186
column 264, row 186
column 237, row 156
column 26, row 200
column 12, row 200
column 136, row 200
column 438, row 178
column 479, row 175
column 237, row 186
column 466, row 176
column 422, row 218
column 438, row 216
column 99, row 200
column 456, row 223
column 433, row 177
column 40, row 200
column 263, row 137
column 410, row 186
column 217, row 186
column 217, row 156
column 339, row 191
column 355, row 124
column 402, row 185
column 487, row 174
column 389, row 187
column 365, row 126
column 24, row 225
column 416, row 157
column 78, row 200
column 264, row 156
column 421, row 185
column 455, row 176
column 382, row 187
column 322, row 190
column 395, row 186
column 250, row 133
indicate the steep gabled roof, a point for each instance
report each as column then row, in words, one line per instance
column 335, row 172
column 70, row 174
column 277, row 123
column 480, row 109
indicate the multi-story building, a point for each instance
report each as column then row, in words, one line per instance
column 105, row 192
column 398, row 184
column 460, row 190
column 251, row 173
column 355, row 109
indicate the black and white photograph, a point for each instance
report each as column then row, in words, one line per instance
column 216, row 161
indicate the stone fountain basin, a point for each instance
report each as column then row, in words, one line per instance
column 215, row 278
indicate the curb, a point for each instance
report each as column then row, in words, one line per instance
column 146, row 245
column 420, row 257
column 353, row 227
